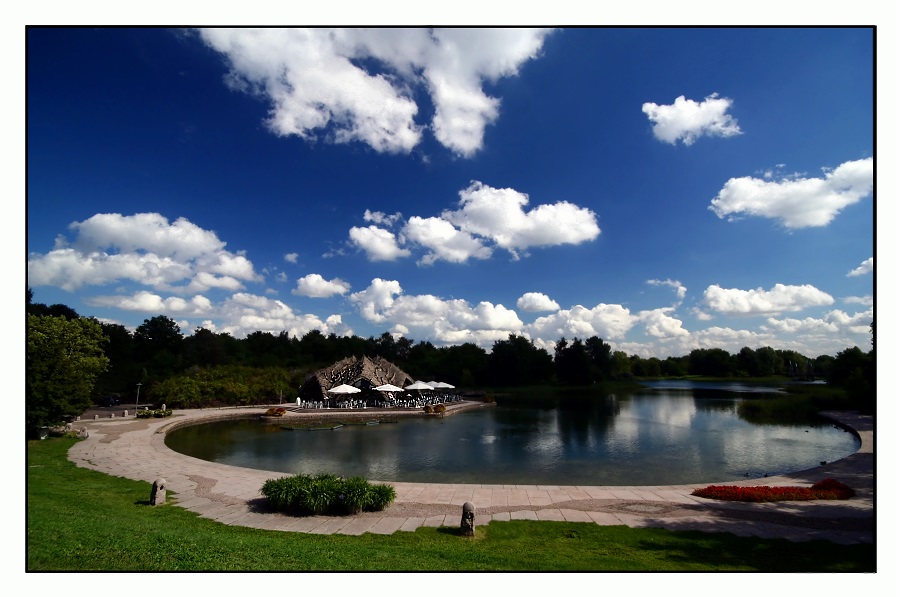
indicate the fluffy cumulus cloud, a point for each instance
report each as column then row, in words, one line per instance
column 359, row 85
column 432, row 318
column 148, row 302
column 499, row 215
column 244, row 313
column 444, row 241
column 536, row 301
column 378, row 243
column 315, row 286
column 605, row 321
column 659, row 323
column 145, row 248
column 864, row 268
column 291, row 257
column 687, row 120
column 780, row 299
column 487, row 217
column 795, row 201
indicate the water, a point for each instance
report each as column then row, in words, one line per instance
column 664, row 436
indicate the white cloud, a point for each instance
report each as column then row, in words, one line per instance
column 432, row 318
column 605, row 321
column 144, row 248
column 382, row 218
column 291, row 257
column 446, row 242
column 781, row 298
column 860, row 300
column 536, row 301
column 378, row 243
column 865, row 267
column 498, row 214
column 245, row 313
column 487, row 217
column 314, row 285
column 316, row 82
column 680, row 291
column 797, row 202
column 659, row 324
column 148, row 302
column 687, row 120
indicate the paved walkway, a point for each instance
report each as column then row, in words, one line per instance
column 135, row 449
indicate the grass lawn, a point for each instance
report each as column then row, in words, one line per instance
column 82, row 520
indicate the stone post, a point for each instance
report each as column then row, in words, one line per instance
column 467, row 524
column 158, row 492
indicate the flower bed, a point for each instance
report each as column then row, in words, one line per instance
column 829, row 489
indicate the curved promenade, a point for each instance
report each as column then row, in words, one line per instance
column 135, row 449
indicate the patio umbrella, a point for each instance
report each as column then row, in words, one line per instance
column 439, row 385
column 344, row 389
column 419, row 385
column 388, row 388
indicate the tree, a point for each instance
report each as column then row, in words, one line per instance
column 63, row 359
column 158, row 344
column 518, row 362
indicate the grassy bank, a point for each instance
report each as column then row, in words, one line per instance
column 81, row 520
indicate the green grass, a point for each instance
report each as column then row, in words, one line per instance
column 82, row 520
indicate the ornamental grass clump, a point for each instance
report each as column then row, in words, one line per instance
column 828, row 489
column 326, row 494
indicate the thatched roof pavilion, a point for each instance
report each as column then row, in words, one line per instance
column 363, row 373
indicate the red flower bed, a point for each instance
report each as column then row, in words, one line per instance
column 829, row 489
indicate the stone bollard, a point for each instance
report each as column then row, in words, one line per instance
column 158, row 492
column 125, row 414
column 112, row 415
column 96, row 417
column 163, row 407
column 467, row 524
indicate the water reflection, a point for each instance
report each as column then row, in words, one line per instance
column 658, row 437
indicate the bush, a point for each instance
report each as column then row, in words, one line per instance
column 440, row 408
column 380, row 497
column 428, row 409
column 326, row 494
column 275, row 412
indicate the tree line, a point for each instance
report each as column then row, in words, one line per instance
column 206, row 367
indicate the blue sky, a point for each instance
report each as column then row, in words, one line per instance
column 664, row 189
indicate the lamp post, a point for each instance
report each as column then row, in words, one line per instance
column 136, row 400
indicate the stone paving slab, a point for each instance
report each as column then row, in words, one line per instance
column 121, row 448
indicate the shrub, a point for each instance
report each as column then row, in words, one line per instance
column 326, row 494
column 429, row 409
column 829, row 489
column 275, row 412
column 354, row 494
column 440, row 408
column 380, row 497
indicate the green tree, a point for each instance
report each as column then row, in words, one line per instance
column 63, row 359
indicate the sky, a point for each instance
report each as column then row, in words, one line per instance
column 663, row 188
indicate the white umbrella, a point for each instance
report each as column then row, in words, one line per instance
column 388, row 388
column 344, row 389
column 419, row 385
column 439, row 385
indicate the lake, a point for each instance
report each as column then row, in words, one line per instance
column 668, row 434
